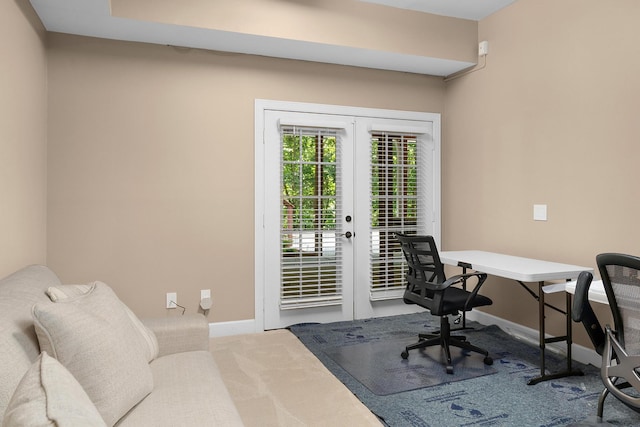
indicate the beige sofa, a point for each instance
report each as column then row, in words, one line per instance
column 82, row 359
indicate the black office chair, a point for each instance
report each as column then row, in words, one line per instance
column 428, row 287
column 619, row 347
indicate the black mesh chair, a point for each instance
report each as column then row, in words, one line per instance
column 428, row 287
column 620, row 346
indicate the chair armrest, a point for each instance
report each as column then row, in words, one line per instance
column 461, row 278
column 456, row 279
column 581, row 311
column 581, row 297
column 177, row 334
column 423, row 286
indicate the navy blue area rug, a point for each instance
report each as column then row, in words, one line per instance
column 498, row 398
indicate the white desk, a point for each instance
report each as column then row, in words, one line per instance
column 596, row 291
column 526, row 270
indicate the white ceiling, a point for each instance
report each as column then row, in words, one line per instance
column 93, row 18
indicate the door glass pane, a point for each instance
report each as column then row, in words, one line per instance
column 394, row 207
column 310, row 259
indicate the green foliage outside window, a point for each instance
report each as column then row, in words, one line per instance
column 394, row 179
column 309, row 175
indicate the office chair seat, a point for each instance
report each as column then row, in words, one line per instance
column 454, row 298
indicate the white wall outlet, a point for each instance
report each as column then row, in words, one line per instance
column 172, row 299
column 483, row 48
column 539, row 212
column 205, row 299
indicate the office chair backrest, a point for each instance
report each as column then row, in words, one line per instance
column 621, row 356
column 422, row 258
column 621, row 279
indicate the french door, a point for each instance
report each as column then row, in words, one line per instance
column 333, row 189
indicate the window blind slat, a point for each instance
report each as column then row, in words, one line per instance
column 395, row 206
column 310, row 266
column 291, row 122
column 401, row 129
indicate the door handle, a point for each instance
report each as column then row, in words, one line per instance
column 348, row 234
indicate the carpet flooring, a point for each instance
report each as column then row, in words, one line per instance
column 275, row 381
column 502, row 398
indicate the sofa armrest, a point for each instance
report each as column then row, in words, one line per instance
column 178, row 334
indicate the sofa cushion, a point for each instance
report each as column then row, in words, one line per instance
column 92, row 336
column 191, row 383
column 176, row 334
column 18, row 343
column 48, row 395
column 147, row 337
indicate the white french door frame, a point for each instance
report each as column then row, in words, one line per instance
column 261, row 106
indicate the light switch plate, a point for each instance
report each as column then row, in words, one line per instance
column 539, row 212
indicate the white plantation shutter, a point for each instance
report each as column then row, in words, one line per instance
column 310, row 254
column 400, row 184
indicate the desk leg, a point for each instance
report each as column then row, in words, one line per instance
column 464, row 266
column 541, row 328
column 569, row 330
column 544, row 340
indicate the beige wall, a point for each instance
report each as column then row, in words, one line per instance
column 151, row 162
column 147, row 192
column 552, row 119
column 22, row 137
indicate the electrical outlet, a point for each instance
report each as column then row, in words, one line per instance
column 172, row 299
column 483, row 48
column 205, row 299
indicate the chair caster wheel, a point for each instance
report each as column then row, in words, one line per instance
column 488, row 360
column 405, row 354
column 450, row 370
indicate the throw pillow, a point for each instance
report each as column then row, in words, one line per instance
column 49, row 396
column 92, row 336
column 148, row 338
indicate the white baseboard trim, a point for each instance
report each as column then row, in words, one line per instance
column 237, row 327
column 578, row 352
